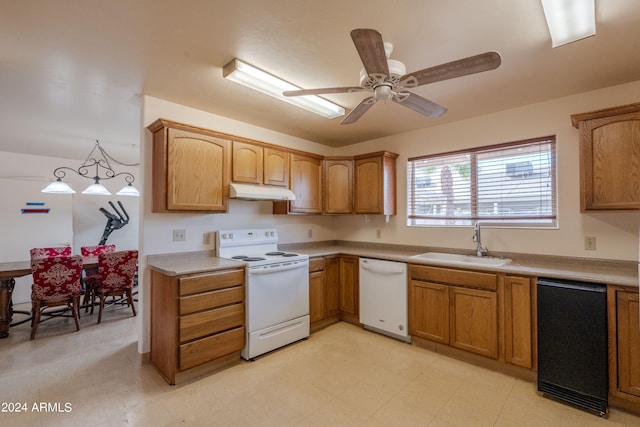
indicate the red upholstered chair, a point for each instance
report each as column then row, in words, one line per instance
column 56, row 282
column 116, row 273
column 97, row 250
column 91, row 274
column 49, row 252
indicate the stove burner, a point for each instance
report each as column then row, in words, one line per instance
column 289, row 255
column 276, row 253
column 253, row 258
column 240, row 257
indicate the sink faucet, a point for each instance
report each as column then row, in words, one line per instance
column 477, row 238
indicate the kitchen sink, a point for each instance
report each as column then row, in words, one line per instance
column 462, row 259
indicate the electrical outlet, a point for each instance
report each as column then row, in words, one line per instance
column 179, row 235
column 378, row 233
column 206, row 239
column 590, row 243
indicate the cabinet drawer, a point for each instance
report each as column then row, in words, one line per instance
column 469, row 279
column 210, row 322
column 206, row 349
column 210, row 282
column 316, row 264
column 208, row 300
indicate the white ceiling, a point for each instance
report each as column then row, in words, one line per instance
column 72, row 71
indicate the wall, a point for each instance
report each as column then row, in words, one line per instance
column 616, row 233
column 81, row 224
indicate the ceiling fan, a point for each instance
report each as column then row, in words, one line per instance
column 386, row 79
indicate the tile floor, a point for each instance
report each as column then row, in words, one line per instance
column 341, row 376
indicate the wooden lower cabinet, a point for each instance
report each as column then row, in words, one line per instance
column 454, row 307
column 324, row 290
column 317, row 290
column 196, row 319
column 473, row 321
column 624, row 344
column 349, row 288
column 518, row 303
column 429, row 311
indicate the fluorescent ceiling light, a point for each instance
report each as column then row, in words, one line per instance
column 569, row 20
column 256, row 79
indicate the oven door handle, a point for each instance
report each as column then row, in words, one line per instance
column 260, row 270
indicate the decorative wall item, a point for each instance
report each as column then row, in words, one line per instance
column 35, row 208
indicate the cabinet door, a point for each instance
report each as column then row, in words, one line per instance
column 276, row 167
column 609, row 158
column 375, row 183
column 615, row 182
column 317, row 296
column 332, row 280
column 197, row 172
column 306, row 184
column 628, row 343
column 338, row 186
column 349, row 285
column 368, row 191
column 518, row 322
column 247, row 163
column 429, row 311
column 474, row 321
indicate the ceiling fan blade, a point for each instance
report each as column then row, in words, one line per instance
column 358, row 111
column 462, row 67
column 370, row 47
column 420, row 105
column 322, row 91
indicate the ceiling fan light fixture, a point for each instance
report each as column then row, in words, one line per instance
column 569, row 20
column 247, row 75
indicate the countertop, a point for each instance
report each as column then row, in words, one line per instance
column 623, row 273
column 182, row 263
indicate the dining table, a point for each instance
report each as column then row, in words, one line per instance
column 11, row 270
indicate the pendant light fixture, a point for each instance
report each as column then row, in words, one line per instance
column 99, row 159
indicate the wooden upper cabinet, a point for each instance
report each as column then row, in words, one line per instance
column 609, row 158
column 338, row 185
column 247, row 163
column 257, row 164
column 375, row 183
column 276, row 167
column 191, row 168
column 306, row 183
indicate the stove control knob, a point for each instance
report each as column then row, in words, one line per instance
column 230, row 235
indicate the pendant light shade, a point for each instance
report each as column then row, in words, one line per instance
column 128, row 190
column 58, row 187
column 97, row 189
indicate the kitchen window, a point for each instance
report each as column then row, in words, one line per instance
column 508, row 185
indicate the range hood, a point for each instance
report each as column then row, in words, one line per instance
column 259, row 192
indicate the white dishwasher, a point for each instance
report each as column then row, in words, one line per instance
column 383, row 297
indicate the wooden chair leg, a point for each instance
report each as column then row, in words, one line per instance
column 76, row 311
column 36, row 318
column 130, row 301
column 102, row 298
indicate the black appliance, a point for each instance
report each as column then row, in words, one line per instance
column 572, row 343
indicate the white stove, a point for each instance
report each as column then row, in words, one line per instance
column 277, row 288
column 257, row 247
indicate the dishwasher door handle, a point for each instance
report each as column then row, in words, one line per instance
column 382, row 270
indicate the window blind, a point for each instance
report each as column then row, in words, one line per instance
column 510, row 184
